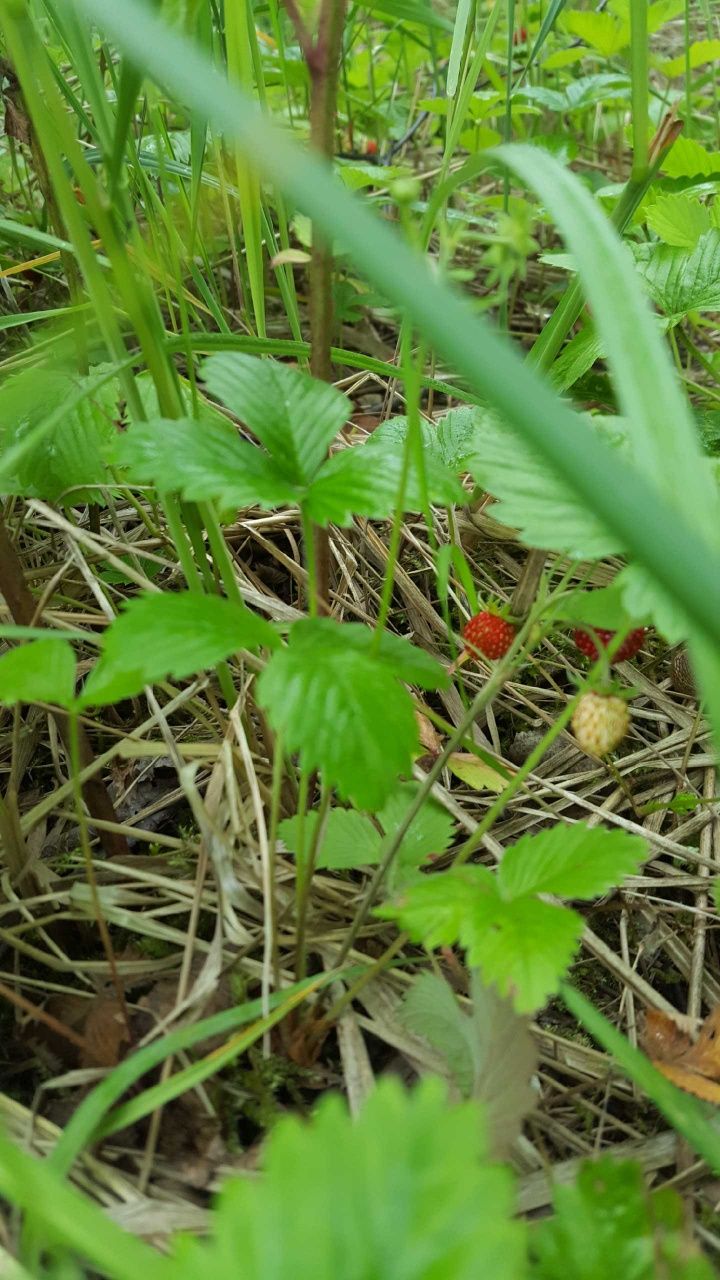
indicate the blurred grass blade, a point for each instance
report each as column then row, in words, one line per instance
column 75, row 1222
column 460, row 30
column 239, row 30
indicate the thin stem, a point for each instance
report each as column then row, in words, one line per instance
column 304, row 881
column 75, row 766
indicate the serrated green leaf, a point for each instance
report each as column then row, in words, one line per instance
column 349, row 840
column 73, row 455
column 689, row 159
column 433, row 910
column 532, row 498
column 431, row 1010
column 679, row 220
column 571, row 861
column 366, row 482
column 523, row 946
column 682, row 280
column 202, row 462
column 643, row 598
column 451, row 440
column 411, row 1198
column 295, row 416
column 401, row 657
column 608, row 1223
column 164, row 635
column 431, row 831
column 40, row 671
column 339, row 704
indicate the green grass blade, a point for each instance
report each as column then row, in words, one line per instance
column 684, row 1112
column 89, row 1116
column 73, row 1221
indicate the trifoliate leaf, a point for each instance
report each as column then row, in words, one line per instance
column 366, row 482
column 295, row 416
column 41, row 671
column 523, row 947
column 204, row 461
column 339, row 704
column 163, row 635
column 411, row 1198
column 571, row 861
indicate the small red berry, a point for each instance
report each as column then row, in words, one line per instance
column 629, row 647
column 371, row 147
column 520, row 36
column 489, row 634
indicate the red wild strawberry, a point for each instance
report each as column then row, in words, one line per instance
column 629, row 647
column 371, row 147
column 489, row 634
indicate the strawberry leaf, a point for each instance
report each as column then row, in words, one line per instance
column 532, row 497
column 204, row 461
column 571, row 861
column 295, row 416
column 61, row 466
column 41, row 671
column 339, row 704
column 349, row 840
column 411, row 1197
column 523, row 947
column 366, row 481
column 352, row 840
column 157, row 636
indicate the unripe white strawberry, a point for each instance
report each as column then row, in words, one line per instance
column 600, row 723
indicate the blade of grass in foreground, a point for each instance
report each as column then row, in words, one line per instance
column 685, row 1113
column 89, row 1116
column 680, row 560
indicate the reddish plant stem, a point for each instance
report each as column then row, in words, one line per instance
column 21, row 604
column 322, row 57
